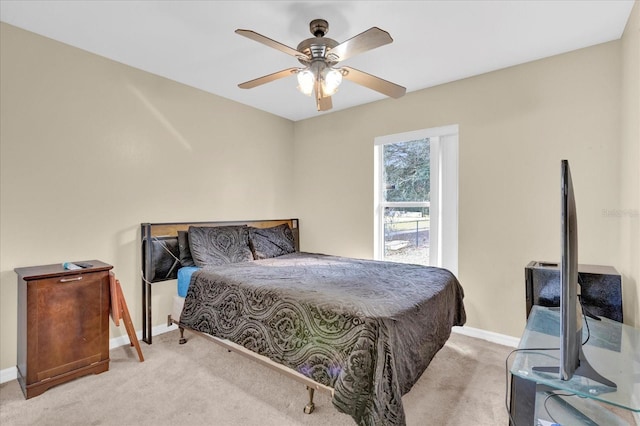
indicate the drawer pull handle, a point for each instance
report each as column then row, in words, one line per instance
column 66, row 280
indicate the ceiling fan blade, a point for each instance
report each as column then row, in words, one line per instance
column 324, row 104
column 370, row 39
column 374, row 83
column 267, row 78
column 271, row 43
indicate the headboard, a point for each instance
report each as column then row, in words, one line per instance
column 160, row 254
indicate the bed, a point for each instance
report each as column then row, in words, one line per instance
column 363, row 330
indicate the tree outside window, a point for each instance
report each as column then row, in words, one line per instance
column 406, row 196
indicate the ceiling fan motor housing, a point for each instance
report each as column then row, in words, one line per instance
column 319, row 27
column 315, row 48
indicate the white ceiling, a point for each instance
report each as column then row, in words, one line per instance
column 193, row 42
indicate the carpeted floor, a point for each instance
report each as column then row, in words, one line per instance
column 201, row 383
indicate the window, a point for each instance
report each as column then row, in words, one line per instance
column 416, row 197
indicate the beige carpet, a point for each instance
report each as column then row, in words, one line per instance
column 201, row 383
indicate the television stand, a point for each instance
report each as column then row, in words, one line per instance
column 584, row 369
column 612, row 350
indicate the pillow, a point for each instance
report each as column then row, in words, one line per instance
column 185, row 251
column 271, row 242
column 218, row 245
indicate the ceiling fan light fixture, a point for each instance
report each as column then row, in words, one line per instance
column 331, row 79
column 319, row 72
column 306, row 81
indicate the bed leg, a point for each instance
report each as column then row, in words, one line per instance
column 182, row 340
column 308, row 409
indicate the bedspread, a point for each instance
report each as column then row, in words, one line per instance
column 366, row 328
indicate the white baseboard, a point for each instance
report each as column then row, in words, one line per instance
column 489, row 336
column 11, row 373
column 116, row 342
column 8, row 374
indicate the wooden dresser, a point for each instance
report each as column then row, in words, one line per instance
column 63, row 324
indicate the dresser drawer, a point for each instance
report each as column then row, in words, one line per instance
column 66, row 317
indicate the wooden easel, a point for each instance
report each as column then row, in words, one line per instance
column 119, row 311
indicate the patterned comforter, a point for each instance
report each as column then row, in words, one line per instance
column 366, row 328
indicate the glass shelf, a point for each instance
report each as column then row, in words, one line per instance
column 573, row 410
column 613, row 350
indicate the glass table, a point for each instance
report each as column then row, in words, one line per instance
column 612, row 349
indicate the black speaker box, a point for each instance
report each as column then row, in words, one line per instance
column 600, row 288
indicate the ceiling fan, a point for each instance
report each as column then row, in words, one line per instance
column 320, row 55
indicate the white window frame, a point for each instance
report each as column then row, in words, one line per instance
column 443, row 206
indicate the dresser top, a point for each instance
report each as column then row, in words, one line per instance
column 45, row 271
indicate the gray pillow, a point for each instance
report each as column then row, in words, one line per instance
column 219, row 245
column 271, row 242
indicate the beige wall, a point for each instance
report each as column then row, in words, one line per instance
column 91, row 148
column 79, row 134
column 516, row 125
column 629, row 218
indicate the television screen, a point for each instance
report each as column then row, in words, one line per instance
column 570, row 312
column 572, row 359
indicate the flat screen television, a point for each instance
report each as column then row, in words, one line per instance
column 572, row 359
